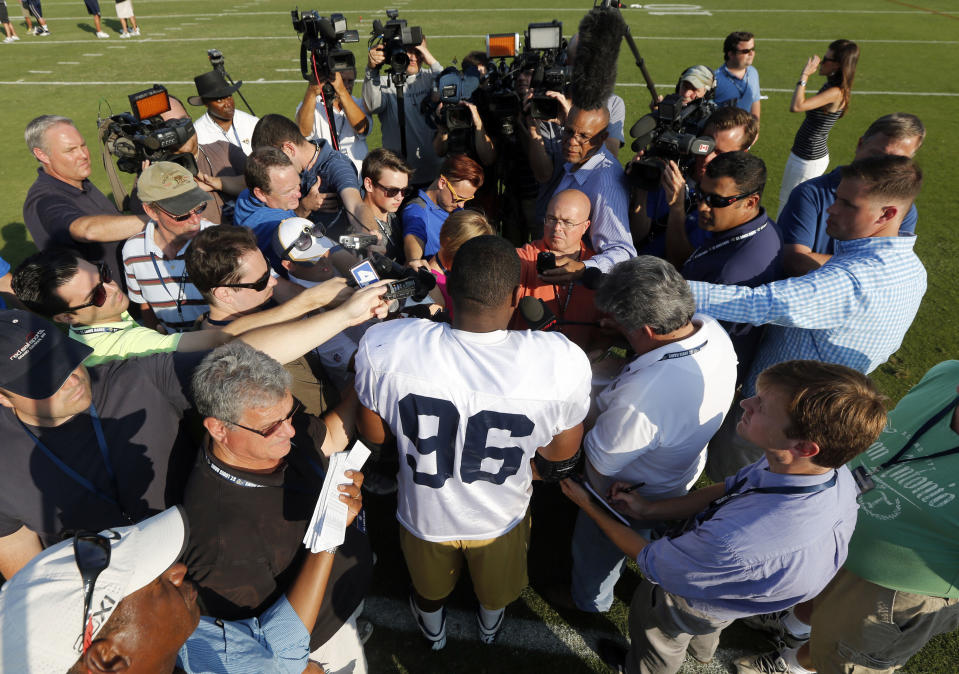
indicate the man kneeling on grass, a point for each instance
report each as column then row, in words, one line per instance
column 767, row 538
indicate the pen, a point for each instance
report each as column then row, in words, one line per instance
column 632, row 487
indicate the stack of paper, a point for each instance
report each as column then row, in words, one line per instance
column 328, row 527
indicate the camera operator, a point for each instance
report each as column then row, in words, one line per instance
column 327, row 177
column 62, row 206
column 351, row 122
column 481, row 146
column 379, row 95
column 731, row 129
column 222, row 120
column 219, row 170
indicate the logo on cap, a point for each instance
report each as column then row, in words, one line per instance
column 33, row 339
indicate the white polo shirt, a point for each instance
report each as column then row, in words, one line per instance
column 240, row 134
column 352, row 144
column 658, row 414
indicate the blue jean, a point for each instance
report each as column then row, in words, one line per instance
column 597, row 564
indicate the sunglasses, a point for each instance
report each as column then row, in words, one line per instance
column 303, row 241
column 744, row 51
column 273, row 428
column 391, row 192
column 457, row 199
column 258, row 285
column 717, row 201
column 186, row 216
column 99, row 295
column 92, row 554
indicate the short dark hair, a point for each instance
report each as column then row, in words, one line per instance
column 274, row 130
column 733, row 39
column 838, row 408
column 475, row 58
column 258, row 165
column 747, row 170
column 380, row 160
column 898, row 126
column 459, row 167
column 37, row 279
column 646, row 290
column 731, row 117
column 214, row 254
column 485, row 272
column 887, row 176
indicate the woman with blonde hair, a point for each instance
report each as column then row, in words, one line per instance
column 460, row 227
column 810, row 152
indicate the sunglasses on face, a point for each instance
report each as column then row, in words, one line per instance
column 745, row 51
column 391, row 192
column 457, row 199
column 258, row 285
column 92, row 555
column 717, row 201
column 186, row 216
column 99, row 295
column 273, row 428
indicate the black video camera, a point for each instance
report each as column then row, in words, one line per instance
column 359, row 242
column 142, row 135
column 454, row 87
column 321, row 51
column 545, row 54
column 672, row 132
column 396, row 37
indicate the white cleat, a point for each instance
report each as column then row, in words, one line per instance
column 102, row 35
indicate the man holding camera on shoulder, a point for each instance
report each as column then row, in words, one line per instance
column 351, row 123
column 380, row 97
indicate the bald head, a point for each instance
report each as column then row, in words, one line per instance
column 567, row 219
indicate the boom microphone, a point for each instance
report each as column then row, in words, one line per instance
column 536, row 314
column 327, row 31
column 594, row 70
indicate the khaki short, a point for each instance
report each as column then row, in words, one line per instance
column 124, row 9
column 496, row 565
column 859, row 627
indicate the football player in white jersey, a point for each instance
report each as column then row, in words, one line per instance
column 478, row 412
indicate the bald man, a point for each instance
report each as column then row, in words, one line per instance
column 584, row 163
column 566, row 221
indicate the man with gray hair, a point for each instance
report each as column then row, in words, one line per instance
column 252, row 493
column 652, row 422
column 62, row 206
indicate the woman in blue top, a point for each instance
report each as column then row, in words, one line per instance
column 810, row 153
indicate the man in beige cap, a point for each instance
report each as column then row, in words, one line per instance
column 153, row 259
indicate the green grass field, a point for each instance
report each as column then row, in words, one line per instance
column 908, row 63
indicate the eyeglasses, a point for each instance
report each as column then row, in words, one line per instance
column 562, row 224
column 273, row 428
column 186, row 216
column 92, row 554
column 258, row 285
column 744, row 51
column 717, row 201
column 579, row 138
column 391, row 192
column 457, row 199
column 98, row 297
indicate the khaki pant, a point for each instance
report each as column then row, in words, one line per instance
column 497, row 566
column 859, row 627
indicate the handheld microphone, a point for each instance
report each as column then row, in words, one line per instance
column 536, row 314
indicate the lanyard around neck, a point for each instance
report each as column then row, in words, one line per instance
column 932, row 421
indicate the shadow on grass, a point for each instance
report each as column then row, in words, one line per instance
column 16, row 244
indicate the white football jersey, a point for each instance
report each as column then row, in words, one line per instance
column 469, row 410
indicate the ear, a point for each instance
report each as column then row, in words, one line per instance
column 259, row 194
column 221, row 295
column 286, row 264
column 103, row 656
column 41, row 156
column 888, row 214
column 805, row 449
column 66, row 317
column 215, row 427
column 149, row 210
column 516, row 296
column 367, row 184
column 289, row 149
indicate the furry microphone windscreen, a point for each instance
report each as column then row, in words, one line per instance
column 594, row 69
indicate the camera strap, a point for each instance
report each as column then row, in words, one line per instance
column 119, row 190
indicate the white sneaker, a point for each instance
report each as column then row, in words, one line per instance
column 102, row 35
column 772, row 623
column 8, row 40
column 124, row 35
column 136, row 31
column 45, row 33
column 15, row 38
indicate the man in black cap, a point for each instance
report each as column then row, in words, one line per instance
column 222, row 120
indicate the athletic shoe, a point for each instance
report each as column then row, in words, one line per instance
column 124, row 35
column 772, row 623
column 36, row 30
column 136, row 31
column 437, row 639
column 765, row 663
column 8, row 40
column 15, row 38
column 44, row 33
column 488, row 634
column 102, row 35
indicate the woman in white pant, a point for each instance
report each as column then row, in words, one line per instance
column 810, row 153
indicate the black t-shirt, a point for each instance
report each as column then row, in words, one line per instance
column 246, row 543
column 51, row 205
column 140, row 402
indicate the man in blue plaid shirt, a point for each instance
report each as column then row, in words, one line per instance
column 854, row 310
